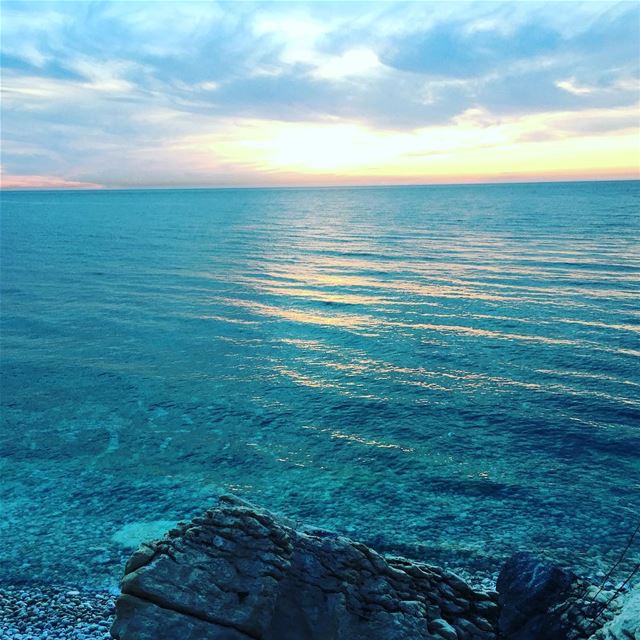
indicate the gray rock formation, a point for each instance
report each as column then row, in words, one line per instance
column 239, row 573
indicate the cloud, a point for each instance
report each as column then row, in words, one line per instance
column 96, row 90
column 452, row 50
column 43, row 182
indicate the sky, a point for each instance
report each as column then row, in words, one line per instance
column 168, row 94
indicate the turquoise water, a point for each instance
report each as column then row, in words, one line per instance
column 451, row 373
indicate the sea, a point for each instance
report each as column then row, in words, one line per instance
column 448, row 373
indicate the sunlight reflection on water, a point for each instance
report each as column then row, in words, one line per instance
column 450, row 372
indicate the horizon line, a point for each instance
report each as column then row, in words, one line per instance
column 99, row 188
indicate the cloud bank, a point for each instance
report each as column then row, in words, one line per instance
column 163, row 93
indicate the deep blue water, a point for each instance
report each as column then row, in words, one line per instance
column 451, row 373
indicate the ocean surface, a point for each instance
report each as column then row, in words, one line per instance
column 451, row 373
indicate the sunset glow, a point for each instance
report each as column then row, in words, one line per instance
column 199, row 94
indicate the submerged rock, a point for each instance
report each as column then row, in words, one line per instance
column 239, row 573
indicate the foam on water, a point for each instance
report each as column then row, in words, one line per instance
column 450, row 373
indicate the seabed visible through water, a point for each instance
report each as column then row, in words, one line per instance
column 448, row 373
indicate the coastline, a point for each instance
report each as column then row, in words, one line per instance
column 55, row 612
column 39, row 611
column 240, row 572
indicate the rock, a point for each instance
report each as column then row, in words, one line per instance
column 541, row 601
column 444, row 629
column 626, row 623
column 138, row 618
column 240, row 573
column 54, row 611
column 530, row 592
column 487, row 607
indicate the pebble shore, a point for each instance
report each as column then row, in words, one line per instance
column 37, row 612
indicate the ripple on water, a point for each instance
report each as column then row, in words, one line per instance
column 447, row 372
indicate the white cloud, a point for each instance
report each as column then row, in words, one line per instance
column 298, row 34
column 355, row 62
column 572, row 87
column 300, row 85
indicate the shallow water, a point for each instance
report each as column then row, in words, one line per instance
column 451, row 373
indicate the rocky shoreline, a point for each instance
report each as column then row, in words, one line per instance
column 55, row 612
column 242, row 573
